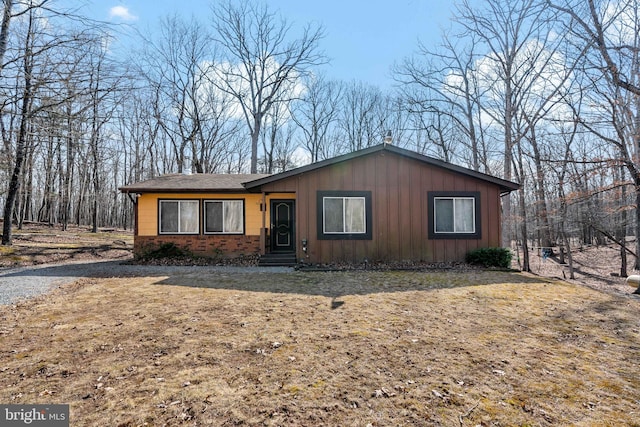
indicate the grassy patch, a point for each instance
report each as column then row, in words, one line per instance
column 9, row 256
column 340, row 348
column 6, row 250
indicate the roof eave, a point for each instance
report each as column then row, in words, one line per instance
column 181, row 190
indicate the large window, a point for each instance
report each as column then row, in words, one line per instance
column 344, row 214
column 179, row 217
column 224, row 216
column 454, row 215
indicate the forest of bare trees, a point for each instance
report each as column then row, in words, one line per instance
column 542, row 92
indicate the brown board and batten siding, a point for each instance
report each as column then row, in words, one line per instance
column 400, row 216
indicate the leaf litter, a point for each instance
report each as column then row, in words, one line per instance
column 403, row 348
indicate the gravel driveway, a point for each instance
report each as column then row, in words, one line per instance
column 26, row 282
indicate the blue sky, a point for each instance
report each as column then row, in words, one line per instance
column 363, row 38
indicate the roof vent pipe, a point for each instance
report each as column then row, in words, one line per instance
column 388, row 138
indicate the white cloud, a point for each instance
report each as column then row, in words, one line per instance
column 300, row 157
column 235, row 75
column 123, row 13
column 621, row 23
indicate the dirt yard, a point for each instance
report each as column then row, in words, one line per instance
column 43, row 244
column 463, row 348
column 597, row 267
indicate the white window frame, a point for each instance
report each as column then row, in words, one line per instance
column 224, row 202
column 344, row 215
column 455, row 231
column 179, row 202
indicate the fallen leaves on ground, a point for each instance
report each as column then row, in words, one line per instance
column 401, row 348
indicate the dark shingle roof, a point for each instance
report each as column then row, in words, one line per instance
column 202, row 182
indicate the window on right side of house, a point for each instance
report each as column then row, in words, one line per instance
column 454, row 215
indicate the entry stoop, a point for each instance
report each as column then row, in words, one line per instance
column 278, row 259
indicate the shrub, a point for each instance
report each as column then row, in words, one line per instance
column 165, row 250
column 490, row 257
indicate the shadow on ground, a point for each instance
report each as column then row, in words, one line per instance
column 74, row 269
column 332, row 284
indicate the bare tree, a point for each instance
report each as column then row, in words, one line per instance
column 9, row 13
column 435, row 133
column 193, row 115
column 505, row 29
column 261, row 62
column 103, row 84
column 567, row 136
column 25, row 113
column 4, row 30
column 47, row 52
column 277, row 141
column 524, row 74
column 609, row 32
column 316, row 114
column 444, row 83
column 360, row 122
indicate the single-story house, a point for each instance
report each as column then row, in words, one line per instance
column 379, row 204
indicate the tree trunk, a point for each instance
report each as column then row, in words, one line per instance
column 637, row 187
column 60, row 196
column 526, row 265
column 621, row 228
column 543, row 217
column 4, row 30
column 14, row 182
column 255, row 136
column 95, row 158
column 96, row 189
column 68, row 176
column 565, row 241
column 27, row 188
column 508, row 159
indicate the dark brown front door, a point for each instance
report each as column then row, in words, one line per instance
column 282, row 225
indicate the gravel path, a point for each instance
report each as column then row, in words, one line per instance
column 26, row 282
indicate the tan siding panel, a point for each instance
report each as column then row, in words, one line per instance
column 148, row 210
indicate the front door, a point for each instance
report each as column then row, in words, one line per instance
column 282, row 225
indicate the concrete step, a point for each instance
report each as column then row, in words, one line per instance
column 285, row 259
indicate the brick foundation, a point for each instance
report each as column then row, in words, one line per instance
column 225, row 246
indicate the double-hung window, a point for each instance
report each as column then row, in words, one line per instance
column 224, row 216
column 344, row 215
column 454, row 215
column 179, row 216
